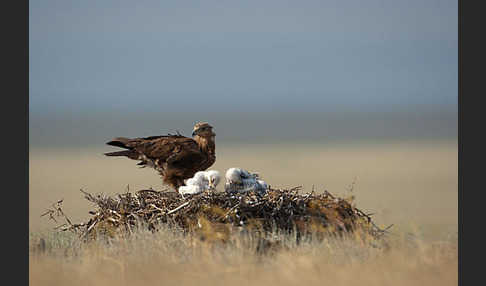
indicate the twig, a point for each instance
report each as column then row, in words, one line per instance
column 91, row 227
column 178, row 208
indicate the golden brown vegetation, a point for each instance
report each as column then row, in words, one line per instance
column 169, row 258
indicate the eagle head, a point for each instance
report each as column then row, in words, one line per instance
column 203, row 129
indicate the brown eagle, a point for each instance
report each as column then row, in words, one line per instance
column 175, row 157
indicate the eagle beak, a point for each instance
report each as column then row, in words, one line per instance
column 194, row 133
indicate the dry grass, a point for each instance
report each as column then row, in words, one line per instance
column 167, row 257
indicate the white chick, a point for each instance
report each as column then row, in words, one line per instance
column 213, row 177
column 240, row 176
column 242, row 181
column 198, row 179
column 190, row 190
column 200, row 182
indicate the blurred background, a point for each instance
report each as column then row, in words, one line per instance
column 311, row 93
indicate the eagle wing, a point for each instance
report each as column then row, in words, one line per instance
column 175, row 157
column 176, row 150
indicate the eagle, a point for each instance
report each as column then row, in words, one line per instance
column 175, row 157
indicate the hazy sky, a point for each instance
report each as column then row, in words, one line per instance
column 166, row 54
column 114, row 57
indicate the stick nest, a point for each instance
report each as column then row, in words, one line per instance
column 218, row 214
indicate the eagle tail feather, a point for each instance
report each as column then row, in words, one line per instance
column 127, row 153
column 120, row 142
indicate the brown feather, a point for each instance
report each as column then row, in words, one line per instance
column 175, row 157
column 127, row 153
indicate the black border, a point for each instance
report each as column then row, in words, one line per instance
column 471, row 86
column 15, row 142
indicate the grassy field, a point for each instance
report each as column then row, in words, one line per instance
column 166, row 258
column 412, row 185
